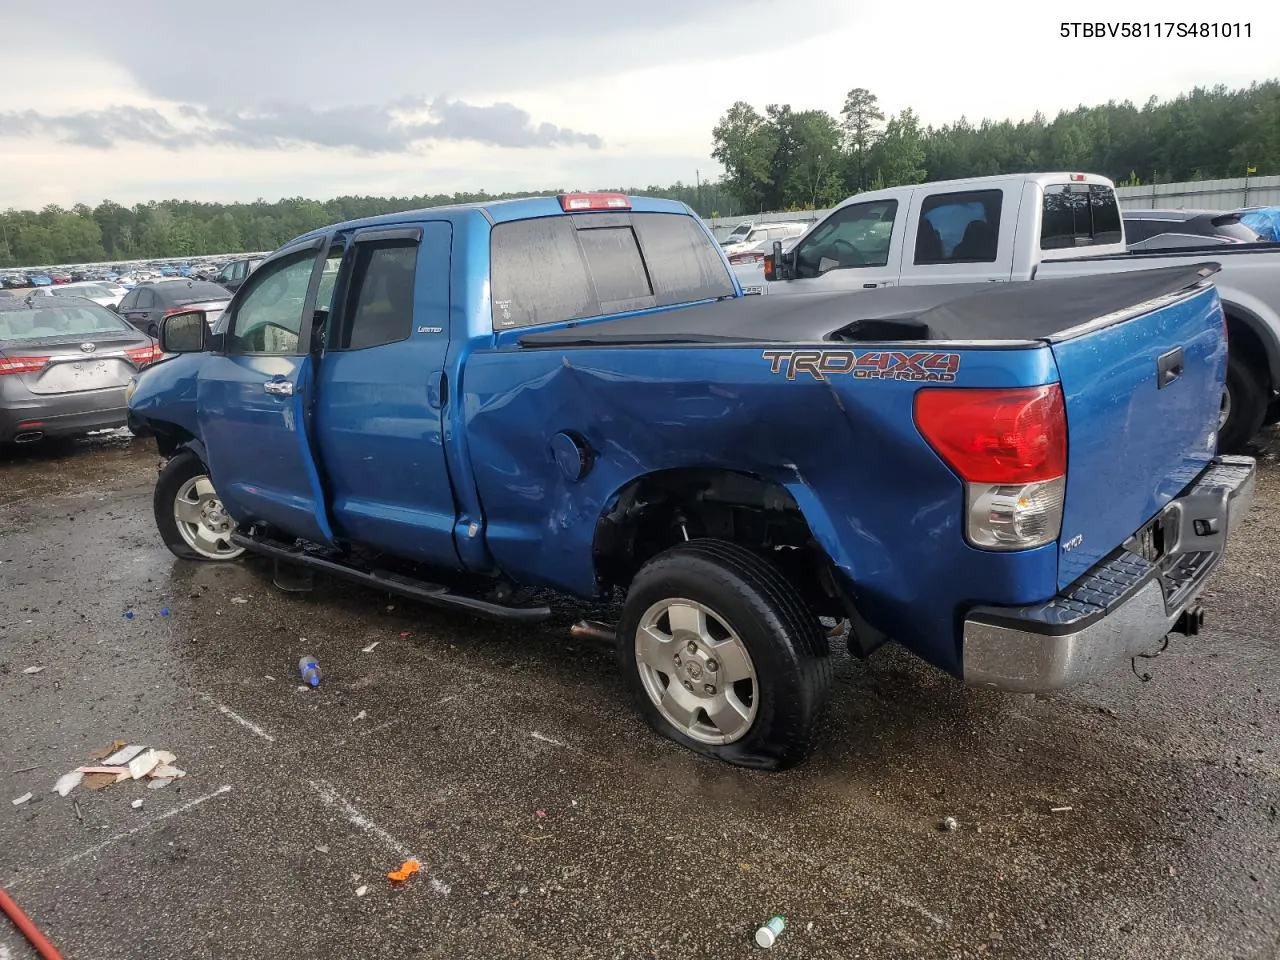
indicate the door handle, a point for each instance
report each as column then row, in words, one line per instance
column 1169, row 367
column 279, row 388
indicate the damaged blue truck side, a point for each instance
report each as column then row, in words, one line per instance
column 482, row 406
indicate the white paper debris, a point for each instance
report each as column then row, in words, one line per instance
column 362, row 715
column 31, row 670
column 303, row 689
column 143, row 764
column 137, row 804
column 159, row 783
column 362, row 890
column 68, row 782
column 167, row 772
column 239, row 600
column 1059, row 809
column 322, row 848
column 165, row 757
column 22, row 799
column 369, row 648
column 123, row 755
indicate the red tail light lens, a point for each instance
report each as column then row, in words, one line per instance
column 22, row 365
column 573, row 202
column 1013, row 436
column 141, row 356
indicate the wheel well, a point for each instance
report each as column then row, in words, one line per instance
column 662, row 509
column 170, row 438
column 1244, row 340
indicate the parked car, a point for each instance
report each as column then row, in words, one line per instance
column 764, row 232
column 64, row 366
column 37, row 279
column 148, row 303
column 570, row 394
column 12, row 281
column 100, row 292
column 1037, row 226
column 1172, row 229
column 233, row 274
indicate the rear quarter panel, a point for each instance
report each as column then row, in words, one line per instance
column 884, row 507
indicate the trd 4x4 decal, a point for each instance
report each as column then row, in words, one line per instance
column 925, row 365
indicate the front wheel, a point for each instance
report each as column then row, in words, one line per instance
column 723, row 656
column 191, row 519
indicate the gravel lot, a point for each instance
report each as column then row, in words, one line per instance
column 549, row 821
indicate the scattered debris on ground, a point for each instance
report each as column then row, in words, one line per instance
column 948, row 824
column 768, row 935
column 407, row 870
column 369, row 648
column 121, row 761
column 21, row 800
column 31, row 671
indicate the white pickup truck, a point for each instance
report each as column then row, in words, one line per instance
column 1029, row 226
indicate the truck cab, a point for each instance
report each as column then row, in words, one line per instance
column 981, row 229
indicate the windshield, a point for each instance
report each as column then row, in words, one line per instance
column 50, row 320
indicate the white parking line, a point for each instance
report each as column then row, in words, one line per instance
column 332, row 798
column 99, row 847
column 247, row 724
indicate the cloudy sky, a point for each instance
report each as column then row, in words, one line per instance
column 137, row 100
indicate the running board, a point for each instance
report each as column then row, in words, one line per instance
column 432, row 593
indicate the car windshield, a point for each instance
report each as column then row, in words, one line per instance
column 50, row 320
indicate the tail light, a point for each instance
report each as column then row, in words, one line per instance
column 22, row 365
column 1010, row 448
column 768, row 268
column 142, row 356
column 741, row 258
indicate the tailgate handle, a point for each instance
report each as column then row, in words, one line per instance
column 1169, row 367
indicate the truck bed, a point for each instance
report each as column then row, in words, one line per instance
column 964, row 313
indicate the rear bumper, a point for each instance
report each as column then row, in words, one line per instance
column 62, row 414
column 1123, row 606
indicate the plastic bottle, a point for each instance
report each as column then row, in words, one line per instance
column 768, row 935
column 309, row 668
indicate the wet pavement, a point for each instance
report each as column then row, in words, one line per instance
column 549, row 821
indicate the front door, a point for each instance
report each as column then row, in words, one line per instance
column 858, row 247
column 253, row 400
column 382, row 394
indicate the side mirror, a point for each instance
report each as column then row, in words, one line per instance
column 184, row 333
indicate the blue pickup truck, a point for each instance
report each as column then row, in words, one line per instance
column 487, row 406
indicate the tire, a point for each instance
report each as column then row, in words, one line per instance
column 1245, row 400
column 185, row 478
column 749, row 607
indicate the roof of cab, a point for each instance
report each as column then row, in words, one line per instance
column 496, row 211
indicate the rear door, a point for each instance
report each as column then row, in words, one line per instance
column 254, row 399
column 382, row 393
column 962, row 236
column 1142, row 400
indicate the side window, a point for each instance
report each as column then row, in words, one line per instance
column 146, row 298
column 1079, row 215
column 854, row 236
column 129, row 300
column 380, row 295
column 959, row 227
column 268, row 318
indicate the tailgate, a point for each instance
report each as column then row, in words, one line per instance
column 1134, row 442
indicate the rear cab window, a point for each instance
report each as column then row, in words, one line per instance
column 959, row 227
column 579, row 266
column 1079, row 215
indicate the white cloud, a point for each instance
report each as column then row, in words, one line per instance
column 650, row 88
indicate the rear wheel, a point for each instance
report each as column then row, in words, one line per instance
column 1244, row 406
column 189, row 515
column 723, row 656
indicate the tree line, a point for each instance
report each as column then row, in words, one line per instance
column 789, row 159
column 181, row 228
column 781, row 159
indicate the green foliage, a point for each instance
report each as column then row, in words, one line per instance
column 771, row 160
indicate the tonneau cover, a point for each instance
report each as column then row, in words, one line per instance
column 1025, row 310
